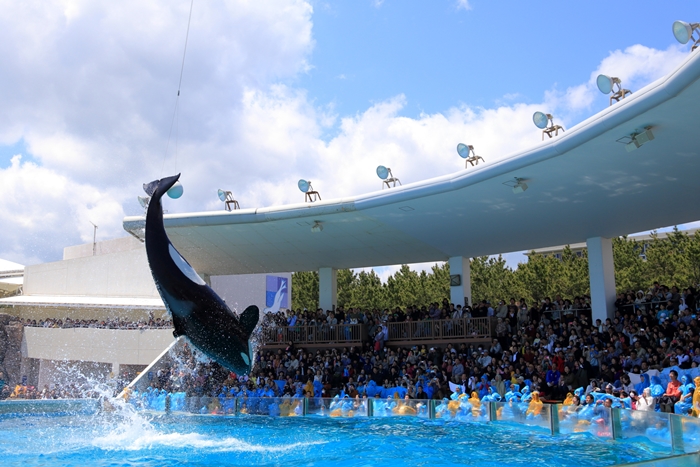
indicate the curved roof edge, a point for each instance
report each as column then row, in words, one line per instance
column 635, row 105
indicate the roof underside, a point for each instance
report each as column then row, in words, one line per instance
column 581, row 185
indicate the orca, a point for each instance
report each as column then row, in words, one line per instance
column 197, row 311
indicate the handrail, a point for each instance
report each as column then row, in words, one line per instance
column 438, row 329
column 314, row 334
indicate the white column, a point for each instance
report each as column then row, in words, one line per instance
column 460, row 266
column 327, row 288
column 601, row 270
column 115, row 370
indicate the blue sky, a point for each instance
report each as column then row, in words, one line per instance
column 281, row 90
column 439, row 55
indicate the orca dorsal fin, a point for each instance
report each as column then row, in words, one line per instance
column 249, row 319
column 150, row 188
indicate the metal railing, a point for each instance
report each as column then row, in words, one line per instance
column 441, row 329
column 314, row 334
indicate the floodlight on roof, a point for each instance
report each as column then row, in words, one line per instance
column 466, row 152
column 545, row 122
column 606, row 84
column 305, row 187
column 229, row 202
column 176, row 190
column 388, row 178
column 683, row 32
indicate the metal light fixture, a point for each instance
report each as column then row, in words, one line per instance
column 229, row 202
column 637, row 139
column 466, row 152
column 607, row 84
column 388, row 178
column 306, row 188
column 683, row 32
column 317, row 227
column 518, row 185
column 545, row 122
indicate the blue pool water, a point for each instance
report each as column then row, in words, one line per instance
column 127, row 437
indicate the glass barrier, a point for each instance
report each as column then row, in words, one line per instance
column 675, row 433
column 461, row 409
column 585, row 419
column 391, row 407
column 691, row 432
column 523, row 413
column 336, row 407
column 654, row 426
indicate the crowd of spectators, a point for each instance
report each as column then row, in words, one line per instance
column 552, row 347
column 114, row 323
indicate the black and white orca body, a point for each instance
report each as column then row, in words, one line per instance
column 197, row 311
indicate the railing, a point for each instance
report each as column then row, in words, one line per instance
column 441, row 329
column 314, row 334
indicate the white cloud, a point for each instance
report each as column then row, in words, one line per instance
column 463, row 5
column 92, row 93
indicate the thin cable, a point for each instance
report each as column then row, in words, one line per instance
column 177, row 99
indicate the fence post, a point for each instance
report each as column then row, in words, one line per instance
column 305, row 409
column 431, row 409
column 677, row 444
column 493, row 415
column 370, row 407
column 554, row 419
column 615, row 423
column 167, row 403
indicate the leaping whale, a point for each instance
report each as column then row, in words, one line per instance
column 197, row 311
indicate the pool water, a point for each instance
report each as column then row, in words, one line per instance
column 127, row 437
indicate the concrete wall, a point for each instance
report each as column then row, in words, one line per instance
column 243, row 290
column 104, row 247
column 112, row 346
column 120, row 274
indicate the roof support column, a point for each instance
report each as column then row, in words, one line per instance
column 327, row 288
column 601, row 270
column 460, row 281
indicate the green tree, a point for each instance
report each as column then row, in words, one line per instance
column 305, row 290
column 369, row 292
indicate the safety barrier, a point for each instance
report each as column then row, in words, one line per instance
column 352, row 334
column 441, row 329
column 678, row 433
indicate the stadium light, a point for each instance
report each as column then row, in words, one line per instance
column 545, row 122
column 607, row 84
column 227, row 198
column 388, row 178
column 466, row 152
column 683, row 32
column 309, row 194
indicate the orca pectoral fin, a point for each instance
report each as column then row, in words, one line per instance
column 178, row 330
column 249, row 319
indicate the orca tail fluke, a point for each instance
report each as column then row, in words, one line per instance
column 164, row 184
column 149, row 188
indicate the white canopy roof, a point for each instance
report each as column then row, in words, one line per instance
column 582, row 184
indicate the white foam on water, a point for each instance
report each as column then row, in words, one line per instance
column 136, row 440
